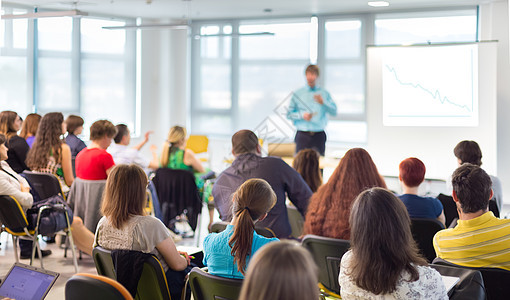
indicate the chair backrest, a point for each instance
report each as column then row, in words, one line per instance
column 296, row 221
column 327, row 254
column 83, row 286
column 423, row 231
column 470, row 285
column 450, row 208
column 45, row 184
column 12, row 215
column 85, row 197
column 198, row 143
column 496, row 280
column 205, row 286
column 263, row 231
column 152, row 283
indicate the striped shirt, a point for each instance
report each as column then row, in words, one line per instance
column 480, row 242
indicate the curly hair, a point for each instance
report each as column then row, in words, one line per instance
column 47, row 142
column 329, row 208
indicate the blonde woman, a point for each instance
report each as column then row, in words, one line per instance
column 174, row 154
column 281, row 271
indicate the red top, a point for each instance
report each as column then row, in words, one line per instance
column 91, row 164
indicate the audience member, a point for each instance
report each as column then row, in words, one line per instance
column 29, row 128
column 329, row 209
column 249, row 164
column 228, row 253
column 10, row 124
column 74, row 128
column 122, row 154
column 383, row 262
column 470, row 152
column 411, row 175
column 281, row 271
column 479, row 239
column 93, row 162
column 306, row 163
column 126, row 226
column 50, row 154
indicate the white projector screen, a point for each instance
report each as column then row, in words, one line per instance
column 430, row 86
column 433, row 125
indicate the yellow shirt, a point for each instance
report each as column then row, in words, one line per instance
column 480, row 242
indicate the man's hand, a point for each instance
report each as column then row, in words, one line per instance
column 318, row 98
column 147, row 135
column 307, row 116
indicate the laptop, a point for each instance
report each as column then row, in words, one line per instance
column 24, row 282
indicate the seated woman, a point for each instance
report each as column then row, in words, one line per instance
column 411, row 175
column 93, row 162
column 328, row 212
column 50, row 155
column 228, row 253
column 29, row 128
column 383, row 262
column 281, row 271
column 306, row 163
column 74, row 128
column 125, row 225
column 10, row 124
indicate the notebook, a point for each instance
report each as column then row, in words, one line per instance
column 25, row 282
column 449, row 283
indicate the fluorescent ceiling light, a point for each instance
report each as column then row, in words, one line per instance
column 378, row 3
column 149, row 26
column 47, row 14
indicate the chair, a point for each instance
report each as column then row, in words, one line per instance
column 327, row 254
column 152, row 283
column 85, row 197
column 423, row 231
column 83, row 286
column 450, row 208
column 205, row 286
column 496, row 280
column 45, row 184
column 200, row 145
column 14, row 219
column 296, row 221
column 470, row 285
column 263, row 231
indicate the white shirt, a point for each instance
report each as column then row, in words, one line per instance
column 123, row 154
column 11, row 186
column 428, row 286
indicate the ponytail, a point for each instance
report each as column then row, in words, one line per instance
column 242, row 238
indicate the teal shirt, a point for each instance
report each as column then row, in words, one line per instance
column 302, row 101
column 217, row 252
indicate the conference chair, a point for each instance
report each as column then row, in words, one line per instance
column 200, row 145
column 423, row 231
column 496, row 281
column 296, row 221
column 470, row 285
column 83, row 286
column 263, row 231
column 205, row 286
column 327, row 254
column 85, row 198
column 15, row 222
column 46, row 185
column 152, row 284
column 450, row 208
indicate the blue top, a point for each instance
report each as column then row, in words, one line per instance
column 303, row 101
column 217, row 252
column 30, row 140
column 75, row 143
column 422, row 207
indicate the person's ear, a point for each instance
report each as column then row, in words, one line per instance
column 492, row 194
column 454, row 196
column 259, row 149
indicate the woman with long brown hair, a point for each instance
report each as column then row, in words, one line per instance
column 306, row 163
column 29, row 128
column 328, row 212
column 10, row 124
column 228, row 253
column 383, row 261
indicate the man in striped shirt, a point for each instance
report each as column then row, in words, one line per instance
column 479, row 239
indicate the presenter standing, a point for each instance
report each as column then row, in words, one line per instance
column 307, row 110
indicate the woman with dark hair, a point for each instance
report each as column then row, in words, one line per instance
column 306, row 163
column 74, row 128
column 328, row 212
column 10, row 124
column 383, row 262
column 125, row 225
column 228, row 253
column 29, row 128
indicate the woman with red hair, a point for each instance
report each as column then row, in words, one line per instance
column 328, row 212
column 411, row 175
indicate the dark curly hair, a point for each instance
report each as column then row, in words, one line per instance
column 47, row 142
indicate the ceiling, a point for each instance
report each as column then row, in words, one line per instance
column 225, row 9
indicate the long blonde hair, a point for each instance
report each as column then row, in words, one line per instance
column 175, row 136
column 281, row 271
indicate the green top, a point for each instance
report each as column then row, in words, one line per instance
column 176, row 161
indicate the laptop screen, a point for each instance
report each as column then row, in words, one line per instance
column 27, row 283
